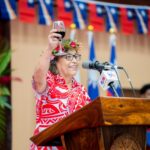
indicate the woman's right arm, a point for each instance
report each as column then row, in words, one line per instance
column 42, row 67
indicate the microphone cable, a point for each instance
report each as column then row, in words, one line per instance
column 116, row 70
column 129, row 80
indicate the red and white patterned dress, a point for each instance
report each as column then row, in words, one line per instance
column 57, row 102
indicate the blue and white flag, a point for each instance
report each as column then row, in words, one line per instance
column 80, row 14
column 113, row 61
column 8, row 9
column 72, row 37
column 93, row 75
column 45, row 10
column 112, row 18
column 142, row 20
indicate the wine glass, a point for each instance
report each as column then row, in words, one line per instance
column 60, row 27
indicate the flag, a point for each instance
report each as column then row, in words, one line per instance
column 45, row 11
column 8, row 9
column 126, row 21
column 142, row 20
column 111, row 17
column 80, row 14
column 30, row 3
column 72, row 37
column 26, row 13
column 113, row 61
column 64, row 11
column 93, row 75
column 96, row 17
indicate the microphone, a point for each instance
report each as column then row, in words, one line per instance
column 108, row 78
column 96, row 65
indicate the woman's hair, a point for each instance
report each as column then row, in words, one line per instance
column 144, row 88
column 53, row 67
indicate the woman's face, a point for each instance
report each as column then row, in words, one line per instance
column 67, row 65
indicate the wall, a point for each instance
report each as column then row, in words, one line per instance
column 28, row 41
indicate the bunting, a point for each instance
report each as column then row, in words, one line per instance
column 96, row 13
column 45, row 12
column 112, row 18
column 142, row 21
column 93, row 75
column 65, row 9
column 26, row 13
column 8, row 9
column 127, row 24
column 80, row 14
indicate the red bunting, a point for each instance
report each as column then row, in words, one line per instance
column 63, row 14
column 26, row 13
column 127, row 25
column 96, row 21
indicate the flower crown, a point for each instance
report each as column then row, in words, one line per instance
column 67, row 45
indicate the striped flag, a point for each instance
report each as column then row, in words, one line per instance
column 96, row 17
column 126, row 20
column 142, row 20
column 64, row 8
column 45, row 11
column 93, row 75
column 113, row 61
column 8, row 9
column 80, row 14
column 111, row 18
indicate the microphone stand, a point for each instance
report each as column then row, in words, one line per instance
column 113, row 88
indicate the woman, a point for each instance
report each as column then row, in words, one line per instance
column 57, row 93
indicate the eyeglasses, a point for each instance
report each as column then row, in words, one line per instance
column 70, row 57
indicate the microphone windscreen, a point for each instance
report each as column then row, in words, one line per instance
column 86, row 64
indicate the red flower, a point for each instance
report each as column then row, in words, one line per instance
column 73, row 44
column 57, row 48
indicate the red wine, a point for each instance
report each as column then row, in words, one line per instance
column 62, row 33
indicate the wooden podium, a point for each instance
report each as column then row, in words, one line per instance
column 104, row 124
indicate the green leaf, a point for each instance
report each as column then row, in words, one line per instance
column 4, row 61
column 4, row 91
column 4, row 102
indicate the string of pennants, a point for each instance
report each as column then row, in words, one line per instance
column 101, row 15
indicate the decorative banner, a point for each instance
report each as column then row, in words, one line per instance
column 8, row 9
column 65, row 9
column 26, row 13
column 31, row 3
column 142, row 21
column 93, row 75
column 45, row 12
column 96, row 17
column 112, row 18
column 80, row 14
column 126, row 20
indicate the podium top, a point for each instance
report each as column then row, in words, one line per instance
column 104, row 111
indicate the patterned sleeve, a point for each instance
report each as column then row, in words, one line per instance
column 49, row 80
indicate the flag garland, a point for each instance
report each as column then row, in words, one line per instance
column 82, row 13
